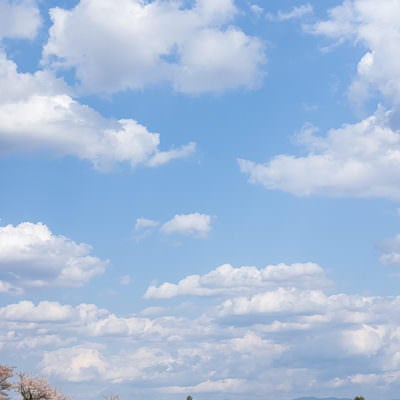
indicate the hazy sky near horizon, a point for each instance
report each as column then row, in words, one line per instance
column 201, row 197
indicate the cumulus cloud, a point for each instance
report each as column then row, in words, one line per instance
column 378, row 30
column 87, row 319
column 32, row 256
column 359, row 160
column 279, row 301
column 75, row 364
column 246, row 351
column 133, row 44
column 366, row 340
column 266, row 325
column 45, row 311
column 195, row 224
column 155, row 363
column 38, row 114
column 227, row 279
column 19, row 19
column 85, row 363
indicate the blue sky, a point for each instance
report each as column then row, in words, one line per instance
column 201, row 197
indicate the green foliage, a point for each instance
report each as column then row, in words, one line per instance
column 359, row 398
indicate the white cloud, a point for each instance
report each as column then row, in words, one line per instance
column 296, row 13
column 227, row 279
column 195, row 224
column 157, row 362
column 83, row 319
column 125, row 280
column 45, row 311
column 84, row 363
column 38, row 114
column 41, row 342
column 6, row 287
column 390, row 251
column 366, row 340
column 163, row 157
column 132, row 44
column 144, row 223
column 289, row 330
column 220, row 386
column 75, row 364
column 279, row 301
column 256, row 9
column 378, row 30
column 361, row 380
column 359, row 160
column 19, row 19
column 32, row 256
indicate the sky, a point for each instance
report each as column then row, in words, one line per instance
column 201, row 197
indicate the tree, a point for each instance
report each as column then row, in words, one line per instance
column 359, row 398
column 31, row 388
column 5, row 374
column 189, row 398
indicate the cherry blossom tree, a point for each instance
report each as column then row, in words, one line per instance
column 31, row 388
column 5, row 374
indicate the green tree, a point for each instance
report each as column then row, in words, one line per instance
column 359, row 398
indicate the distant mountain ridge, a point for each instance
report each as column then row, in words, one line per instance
column 323, row 398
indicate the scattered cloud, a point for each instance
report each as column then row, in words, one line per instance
column 38, row 114
column 260, row 331
column 296, row 13
column 19, row 19
column 32, row 256
column 358, row 160
column 195, row 49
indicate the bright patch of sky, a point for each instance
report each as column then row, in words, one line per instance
column 201, row 197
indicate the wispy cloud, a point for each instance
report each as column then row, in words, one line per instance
column 193, row 224
column 296, row 13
